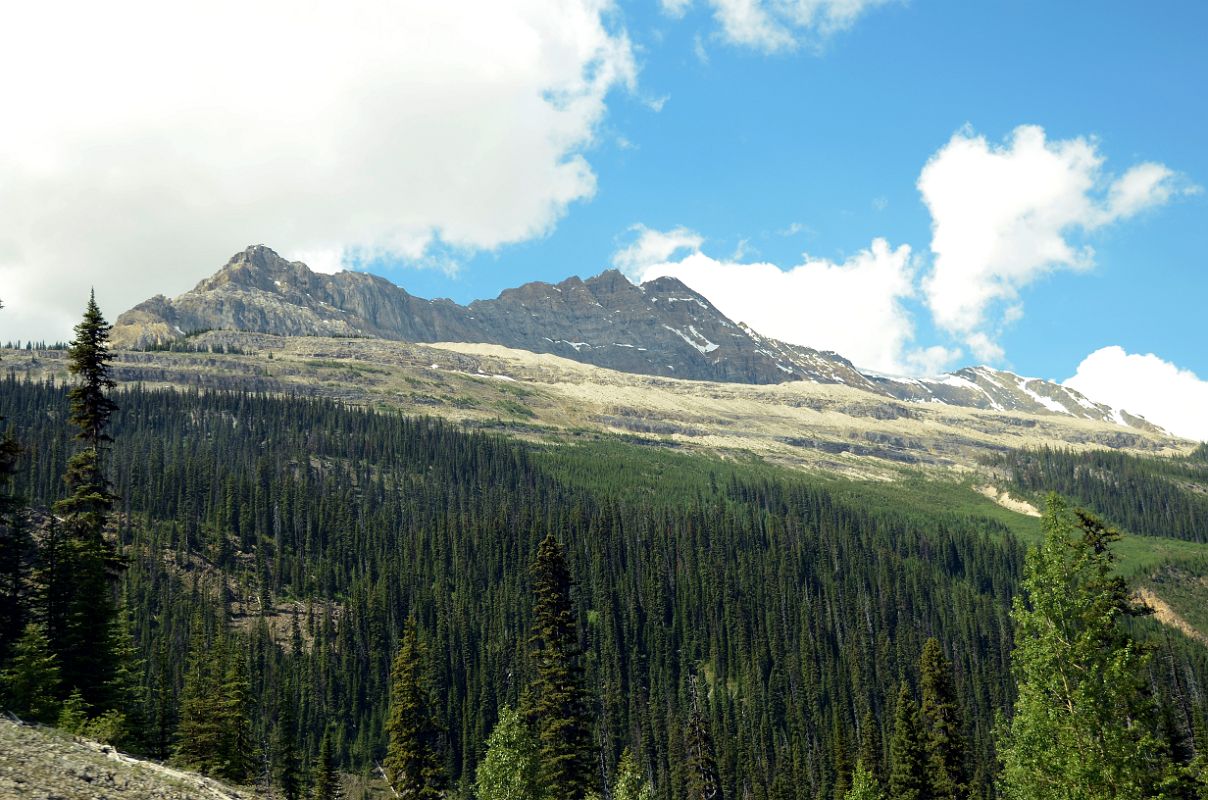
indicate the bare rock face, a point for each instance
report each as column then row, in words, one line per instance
column 660, row 328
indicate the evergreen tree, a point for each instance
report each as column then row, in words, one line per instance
column 236, row 713
column 413, row 761
column 126, row 693
column 214, row 735
column 510, row 769
column 286, row 758
column 14, row 545
column 200, row 734
column 80, row 603
column 326, row 776
column 864, row 785
column 560, row 701
column 703, row 781
column 870, row 744
column 1083, row 721
column 947, row 756
column 907, row 755
column 29, row 685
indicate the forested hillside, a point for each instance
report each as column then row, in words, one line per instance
column 274, row 548
column 1150, row 497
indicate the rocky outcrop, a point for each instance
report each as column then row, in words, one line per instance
column 661, row 328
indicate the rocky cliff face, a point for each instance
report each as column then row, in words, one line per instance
column 660, row 328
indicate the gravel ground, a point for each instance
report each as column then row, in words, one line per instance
column 42, row 764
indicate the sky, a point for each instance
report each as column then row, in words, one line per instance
column 916, row 184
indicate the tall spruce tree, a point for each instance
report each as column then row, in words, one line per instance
column 1083, row 723
column 14, row 545
column 413, row 763
column 703, row 780
column 287, row 761
column 944, row 739
column 79, row 605
column 907, row 754
column 560, row 704
column 326, row 775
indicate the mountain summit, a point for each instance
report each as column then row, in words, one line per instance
column 660, row 328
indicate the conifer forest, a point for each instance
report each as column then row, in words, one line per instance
column 324, row 600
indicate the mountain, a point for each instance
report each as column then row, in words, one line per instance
column 660, row 328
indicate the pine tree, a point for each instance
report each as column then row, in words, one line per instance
column 560, row 696
column 1083, row 723
column 14, row 546
column 413, row 760
column 907, row 756
column 326, row 776
column 81, row 602
column 235, row 709
column 287, row 760
column 215, row 731
column 29, row 685
column 200, row 734
column 703, row 781
column 947, row 754
column 510, row 769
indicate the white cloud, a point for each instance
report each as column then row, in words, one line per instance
column 675, row 8
column 145, row 142
column 854, row 307
column 654, row 247
column 1003, row 216
column 1147, row 385
column 776, row 25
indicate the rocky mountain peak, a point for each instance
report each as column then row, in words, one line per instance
column 660, row 328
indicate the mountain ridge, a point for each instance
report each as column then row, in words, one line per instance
column 660, row 328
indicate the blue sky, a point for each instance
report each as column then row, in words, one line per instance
column 749, row 145
column 465, row 147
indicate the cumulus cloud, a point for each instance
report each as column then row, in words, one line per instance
column 145, row 142
column 1147, row 385
column 1003, row 216
column 653, row 247
column 777, row 25
column 854, row 307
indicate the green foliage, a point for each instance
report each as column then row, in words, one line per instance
column 214, row 733
column 947, row 757
column 78, row 599
column 864, row 785
column 1160, row 497
column 629, row 783
column 510, row 768
column 287, row 760
column 326, row 777
column 801, row 600
column 413, row 760
column 703, row 781
column 29, row 685
column 560, row 697
column 907, row 751
column 1083, row 722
